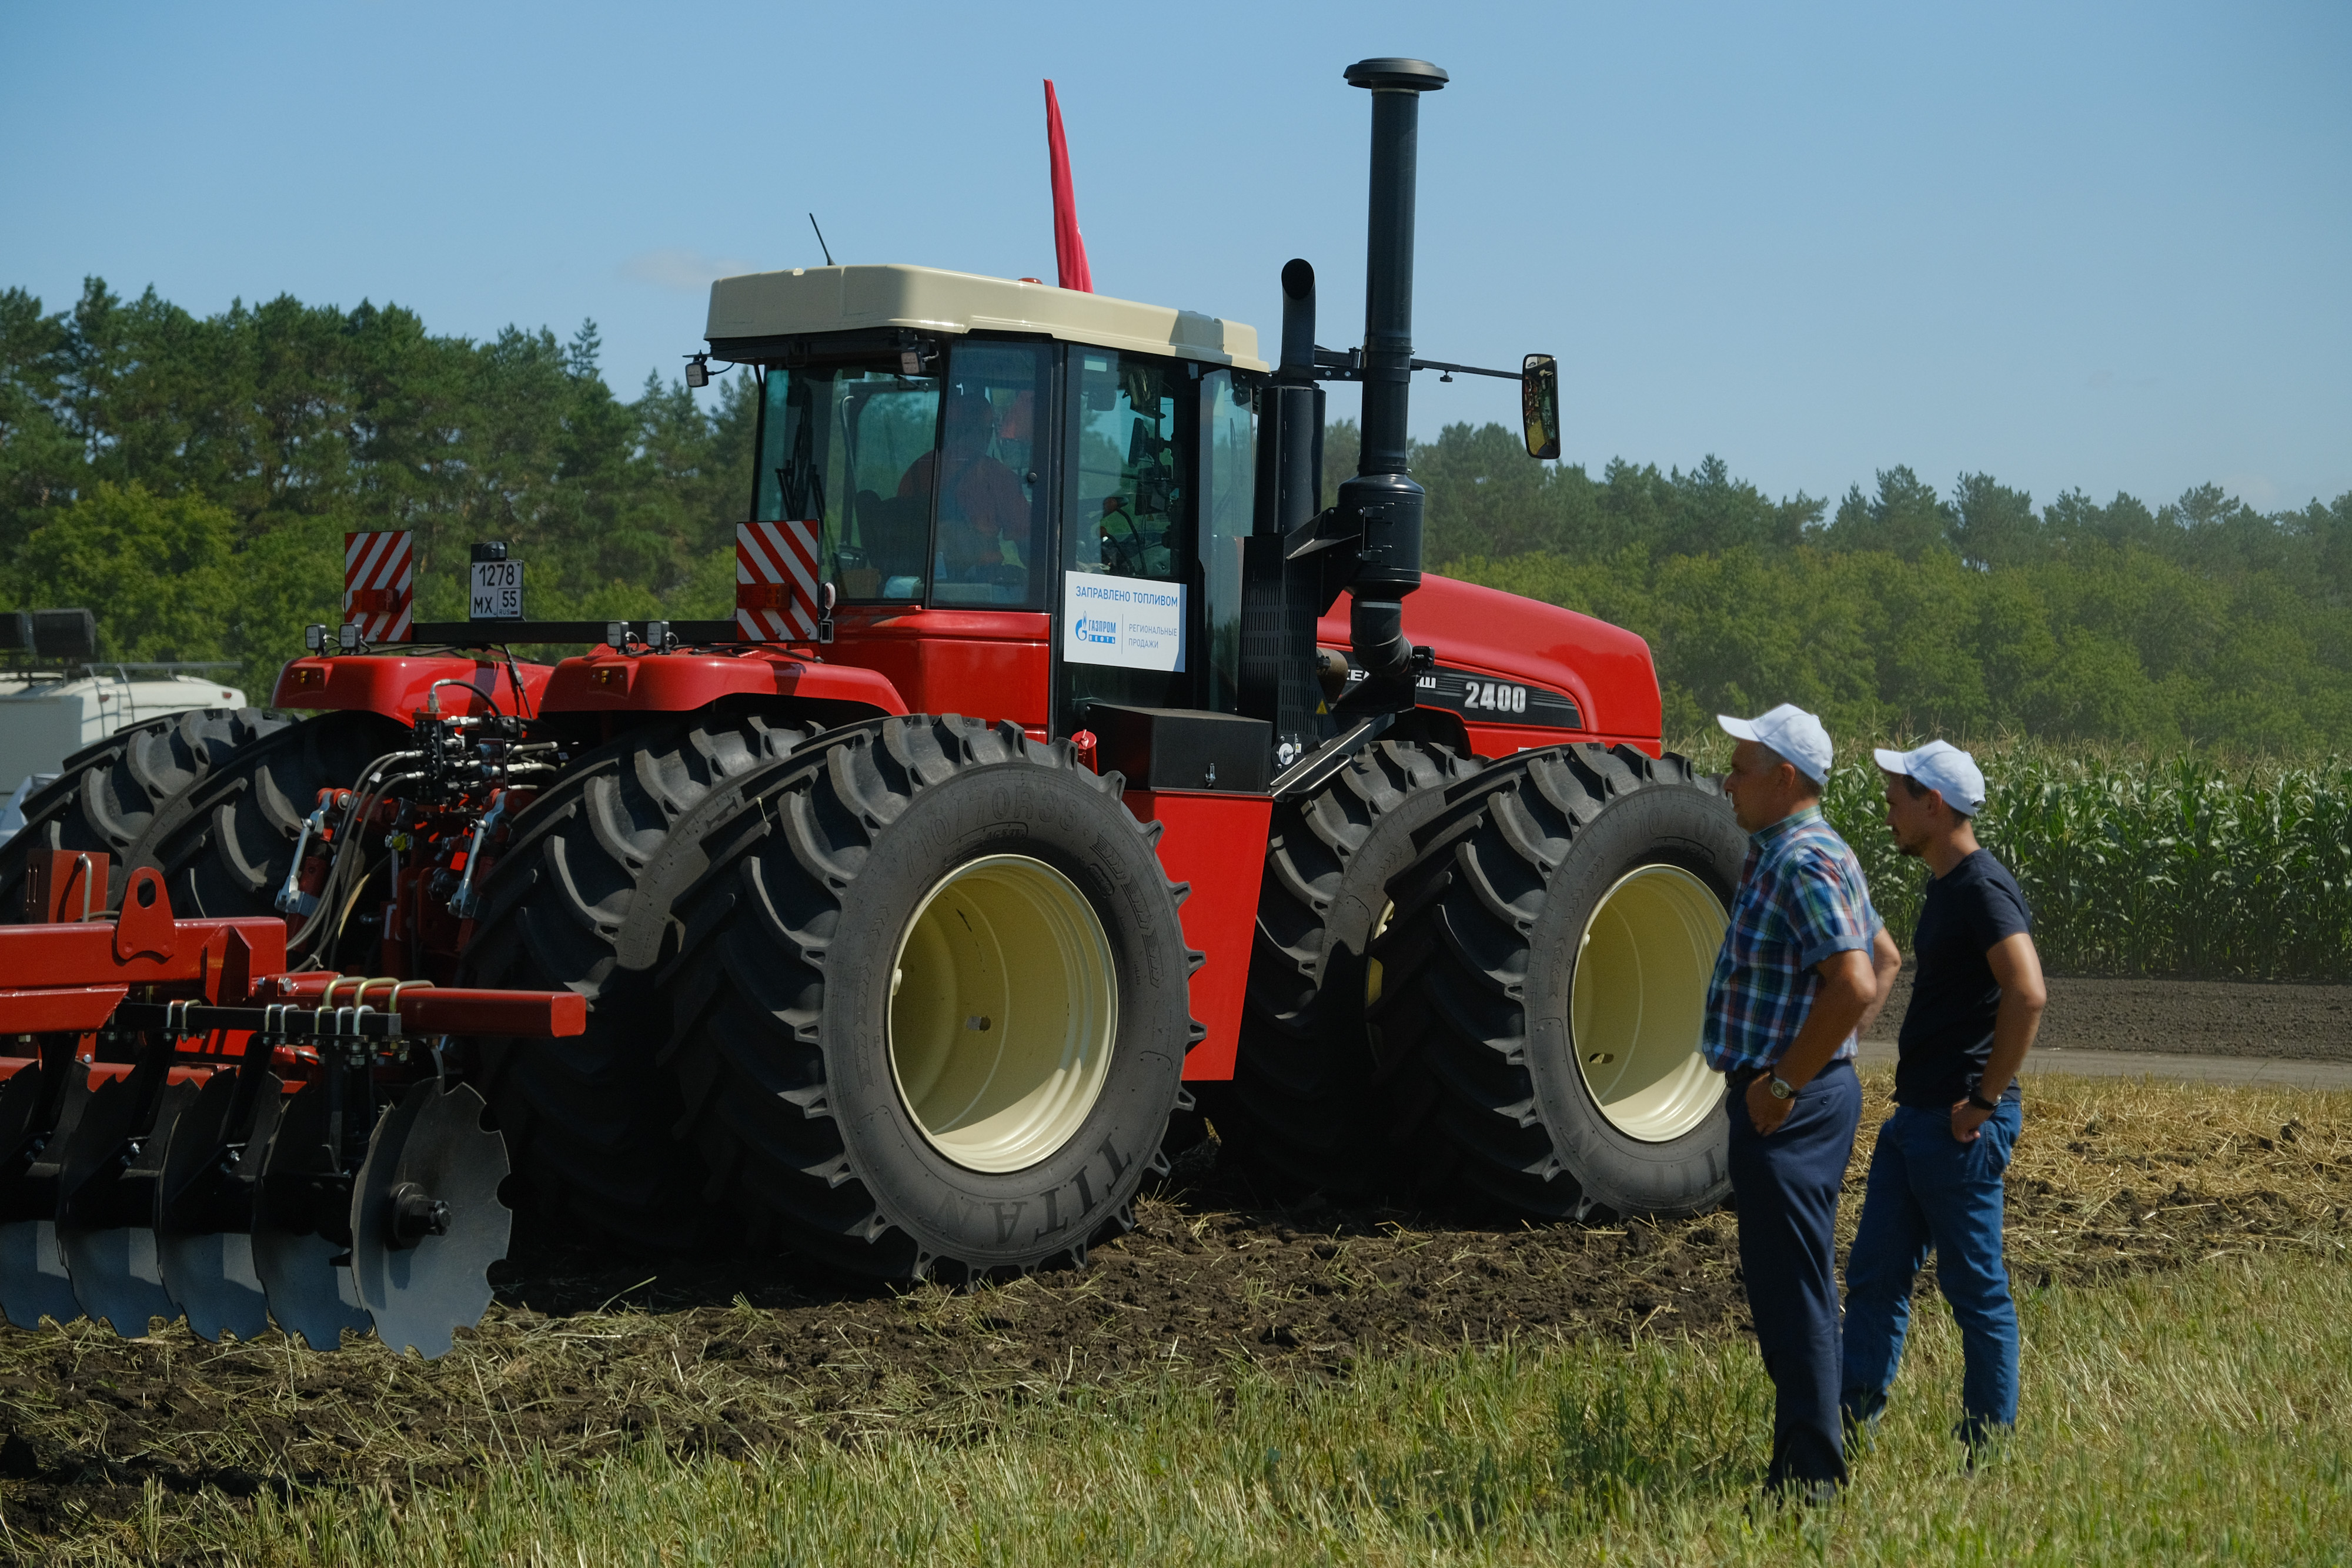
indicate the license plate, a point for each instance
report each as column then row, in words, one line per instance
column 497, row 590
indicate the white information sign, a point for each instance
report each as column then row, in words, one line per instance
column 1130, row 622
column 497, row 590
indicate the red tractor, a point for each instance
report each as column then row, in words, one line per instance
column 1037, row 786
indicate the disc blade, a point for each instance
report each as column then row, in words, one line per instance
column 310, row 1292
column 115, row 1277
column 212, row 1278
column 205, row 1252
column 114, row 1167
column 34, row 1280
column 433, row 1141
column 113, row 1271
column 34, row 1283
column 307, row 1277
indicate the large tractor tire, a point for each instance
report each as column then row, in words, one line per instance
column 1305, row 1098
column 225, row 843
column 105, row 796
column 931, row 1010
column 580, row 900
column 1545, row 982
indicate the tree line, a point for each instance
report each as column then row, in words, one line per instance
column 190, row 479
column 1903, row 611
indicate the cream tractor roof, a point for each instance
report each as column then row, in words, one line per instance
column 809, row 299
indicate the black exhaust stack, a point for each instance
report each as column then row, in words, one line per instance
column 1300, row 557
column 1381, row 500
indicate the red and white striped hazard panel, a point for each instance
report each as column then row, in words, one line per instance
column 775, row 581
column 379, row 574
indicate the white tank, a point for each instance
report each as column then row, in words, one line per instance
column 45, row 718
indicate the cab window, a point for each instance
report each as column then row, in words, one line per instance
column 1228, row 486
column 1127, row 621
column 1131, row 491
column 928, row 487
column 986, row 478
column 838, row 443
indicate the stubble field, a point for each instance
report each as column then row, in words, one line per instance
column 169, row 1447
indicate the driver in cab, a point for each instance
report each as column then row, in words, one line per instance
column 984, row 516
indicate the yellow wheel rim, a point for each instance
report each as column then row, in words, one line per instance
column 1003, row 1006
column 1640, row 1000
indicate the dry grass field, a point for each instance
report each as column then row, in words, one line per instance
column 1239, row 1382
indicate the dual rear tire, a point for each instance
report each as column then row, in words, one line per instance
column 1545, row 983
column 1307, row 1099
column 580, row 899
column 1491, row 978
column 931, row 1006
column 106, row 796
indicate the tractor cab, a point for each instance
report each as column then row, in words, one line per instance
column 1064, row 479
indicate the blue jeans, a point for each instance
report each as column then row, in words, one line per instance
column 1786, row 1187
column 1929, row 1190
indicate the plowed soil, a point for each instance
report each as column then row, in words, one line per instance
column 583, row 1354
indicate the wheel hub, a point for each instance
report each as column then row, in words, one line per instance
column 1003, row 1007
column 1639, row 1002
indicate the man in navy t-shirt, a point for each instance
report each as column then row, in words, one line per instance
column 1936, row 1177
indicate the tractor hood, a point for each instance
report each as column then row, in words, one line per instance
column 1606, row 669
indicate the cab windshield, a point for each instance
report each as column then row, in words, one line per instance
column 928, row 487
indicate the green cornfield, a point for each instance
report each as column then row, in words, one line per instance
column 2190, row 865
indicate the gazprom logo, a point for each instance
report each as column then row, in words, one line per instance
column 1091, row 629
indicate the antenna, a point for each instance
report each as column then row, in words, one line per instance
column 820, row 240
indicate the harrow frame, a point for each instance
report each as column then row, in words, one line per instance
column 280, row 1199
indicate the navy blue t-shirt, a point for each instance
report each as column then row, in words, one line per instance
column 1948, row 1030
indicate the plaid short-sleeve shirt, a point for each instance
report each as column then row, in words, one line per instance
column 1801, row 898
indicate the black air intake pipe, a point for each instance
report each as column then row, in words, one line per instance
column 1297, row 321
column 1381, row 499
column 1296, row 406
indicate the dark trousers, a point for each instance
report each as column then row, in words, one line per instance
column 1786, row 1187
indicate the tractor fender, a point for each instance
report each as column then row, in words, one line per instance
column 397, row 686
column 607, row 682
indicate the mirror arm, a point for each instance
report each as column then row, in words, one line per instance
column 1465, row 370
column 1336, row 365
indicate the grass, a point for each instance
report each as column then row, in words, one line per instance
column 2184, row 1282
column 2195, row 1417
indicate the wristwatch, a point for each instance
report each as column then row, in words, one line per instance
column 1982, row 1103
column 1781, row 1088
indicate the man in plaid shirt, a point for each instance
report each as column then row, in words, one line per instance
column 1805, row 966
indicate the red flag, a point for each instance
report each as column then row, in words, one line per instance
column 1069, row 246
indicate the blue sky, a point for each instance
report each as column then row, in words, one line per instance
column 2105, row 247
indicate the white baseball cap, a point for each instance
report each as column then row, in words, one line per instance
column 1943, row 767
column 1791, row 731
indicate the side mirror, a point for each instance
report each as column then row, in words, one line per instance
column 1539, row 404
